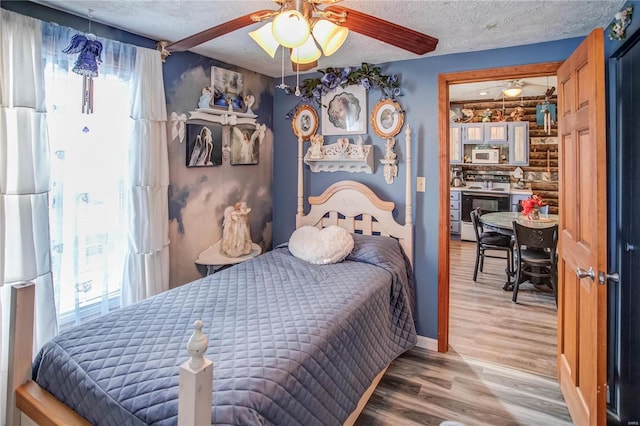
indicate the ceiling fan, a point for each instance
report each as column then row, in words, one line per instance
column 362, row 23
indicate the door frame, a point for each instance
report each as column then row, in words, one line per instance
column 444, row 80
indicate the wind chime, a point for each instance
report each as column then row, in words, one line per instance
column 547, row 110
column 90, row 51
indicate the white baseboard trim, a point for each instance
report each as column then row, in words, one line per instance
column 427, row 343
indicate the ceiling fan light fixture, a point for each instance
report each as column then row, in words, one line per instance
column 512, row 92
column 290, row 28
column 265, row 39
column 329, row 36
column 307, row 53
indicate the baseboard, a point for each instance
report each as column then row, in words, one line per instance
column 427, row 343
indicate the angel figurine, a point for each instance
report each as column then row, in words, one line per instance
column 316, row 146
column 86, row 65
column 236, row 235
column 249, row 100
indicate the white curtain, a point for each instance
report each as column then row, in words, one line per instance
column 24, row 176
column 146, row 270
column 88, row 207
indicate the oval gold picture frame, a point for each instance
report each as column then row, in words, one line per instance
column 305, row 122
column 387, row 118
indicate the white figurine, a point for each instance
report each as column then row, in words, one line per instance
column 359, row 150
column 389, row 154
column 205, row 98
column 249, row 100
column 316, row 146
column 236, row 235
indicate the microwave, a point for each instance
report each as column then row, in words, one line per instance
column 485, row 156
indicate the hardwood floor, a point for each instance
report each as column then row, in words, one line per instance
column 424, row 387
column 501, row 366
column 485, row 323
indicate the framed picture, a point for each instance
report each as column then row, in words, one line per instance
column 244, row 144
column 305, row 122
column 204, row 145
column 227, row 89
column 387, row 118
column 344, row 111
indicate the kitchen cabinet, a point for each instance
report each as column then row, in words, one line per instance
column 454, row 211
column 496, row 132
column 472, row 133
column 455, row 144
column 519, row 143
column 512, row 138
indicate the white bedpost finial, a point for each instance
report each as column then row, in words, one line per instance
column 197, row 346
column 195, row 395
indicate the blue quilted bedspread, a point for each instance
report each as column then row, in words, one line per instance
column 291, row 342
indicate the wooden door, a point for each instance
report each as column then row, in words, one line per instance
column 582, row 309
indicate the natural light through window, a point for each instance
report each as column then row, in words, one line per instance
column 87, row 214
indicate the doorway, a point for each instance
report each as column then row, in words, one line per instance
column 444, row 243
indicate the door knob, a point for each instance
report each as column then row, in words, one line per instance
column 613, row 276
column 581, row 273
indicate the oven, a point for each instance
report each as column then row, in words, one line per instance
column 487, row 201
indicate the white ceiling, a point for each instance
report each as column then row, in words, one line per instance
column 460, row 25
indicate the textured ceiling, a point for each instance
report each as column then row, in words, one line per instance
column 461, row 26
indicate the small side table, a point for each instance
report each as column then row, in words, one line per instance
column 214, row 260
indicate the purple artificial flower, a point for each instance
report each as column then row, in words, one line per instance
column 396, row 92
column 330, row 80
column 345, row 74
column 393, row 79
column 364, row 82
column 318, row 91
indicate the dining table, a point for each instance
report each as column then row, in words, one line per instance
column 503, row 222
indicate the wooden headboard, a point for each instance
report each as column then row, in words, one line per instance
column 355, row 207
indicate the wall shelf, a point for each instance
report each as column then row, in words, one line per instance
column 221, row 116
column 347, row 161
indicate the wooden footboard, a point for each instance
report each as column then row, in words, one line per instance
column 44, row 408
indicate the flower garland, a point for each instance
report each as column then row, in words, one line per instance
column 618, row 29
column 368, row 76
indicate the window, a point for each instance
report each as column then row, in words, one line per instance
column 89, row 156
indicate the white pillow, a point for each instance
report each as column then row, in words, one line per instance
column 321, row 246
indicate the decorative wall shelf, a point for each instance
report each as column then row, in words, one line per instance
column 221, row 116
column 339, row 159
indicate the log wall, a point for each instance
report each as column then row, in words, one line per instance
column 542, row 172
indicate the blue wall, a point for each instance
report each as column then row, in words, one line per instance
column 419, row 82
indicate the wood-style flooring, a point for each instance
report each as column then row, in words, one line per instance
column 500, row 369
column 485, row 324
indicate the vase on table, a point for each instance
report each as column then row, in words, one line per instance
column 535, row 214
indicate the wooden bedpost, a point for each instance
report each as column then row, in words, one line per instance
column 300, row 210
column 21, row 322
column 196, row 382
column 408, row 215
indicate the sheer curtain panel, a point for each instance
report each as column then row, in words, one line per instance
column 146, row 270
column 24, row 177
column 88, row 211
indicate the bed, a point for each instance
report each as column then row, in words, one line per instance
column 291, row 342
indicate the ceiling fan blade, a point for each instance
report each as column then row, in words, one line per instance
column 213, row 32
column 388, row 32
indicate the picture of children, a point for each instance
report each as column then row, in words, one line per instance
column 344, row 111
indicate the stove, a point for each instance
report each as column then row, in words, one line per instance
column 488, row 191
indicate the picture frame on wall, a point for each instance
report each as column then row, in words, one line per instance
column 204, row 145
column 305, row 122
column 227, row 87
column 344, row 111
column 245, row 147
column 387, row 118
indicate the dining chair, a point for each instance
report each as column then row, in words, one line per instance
column 536, row 255
column 491, row 240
